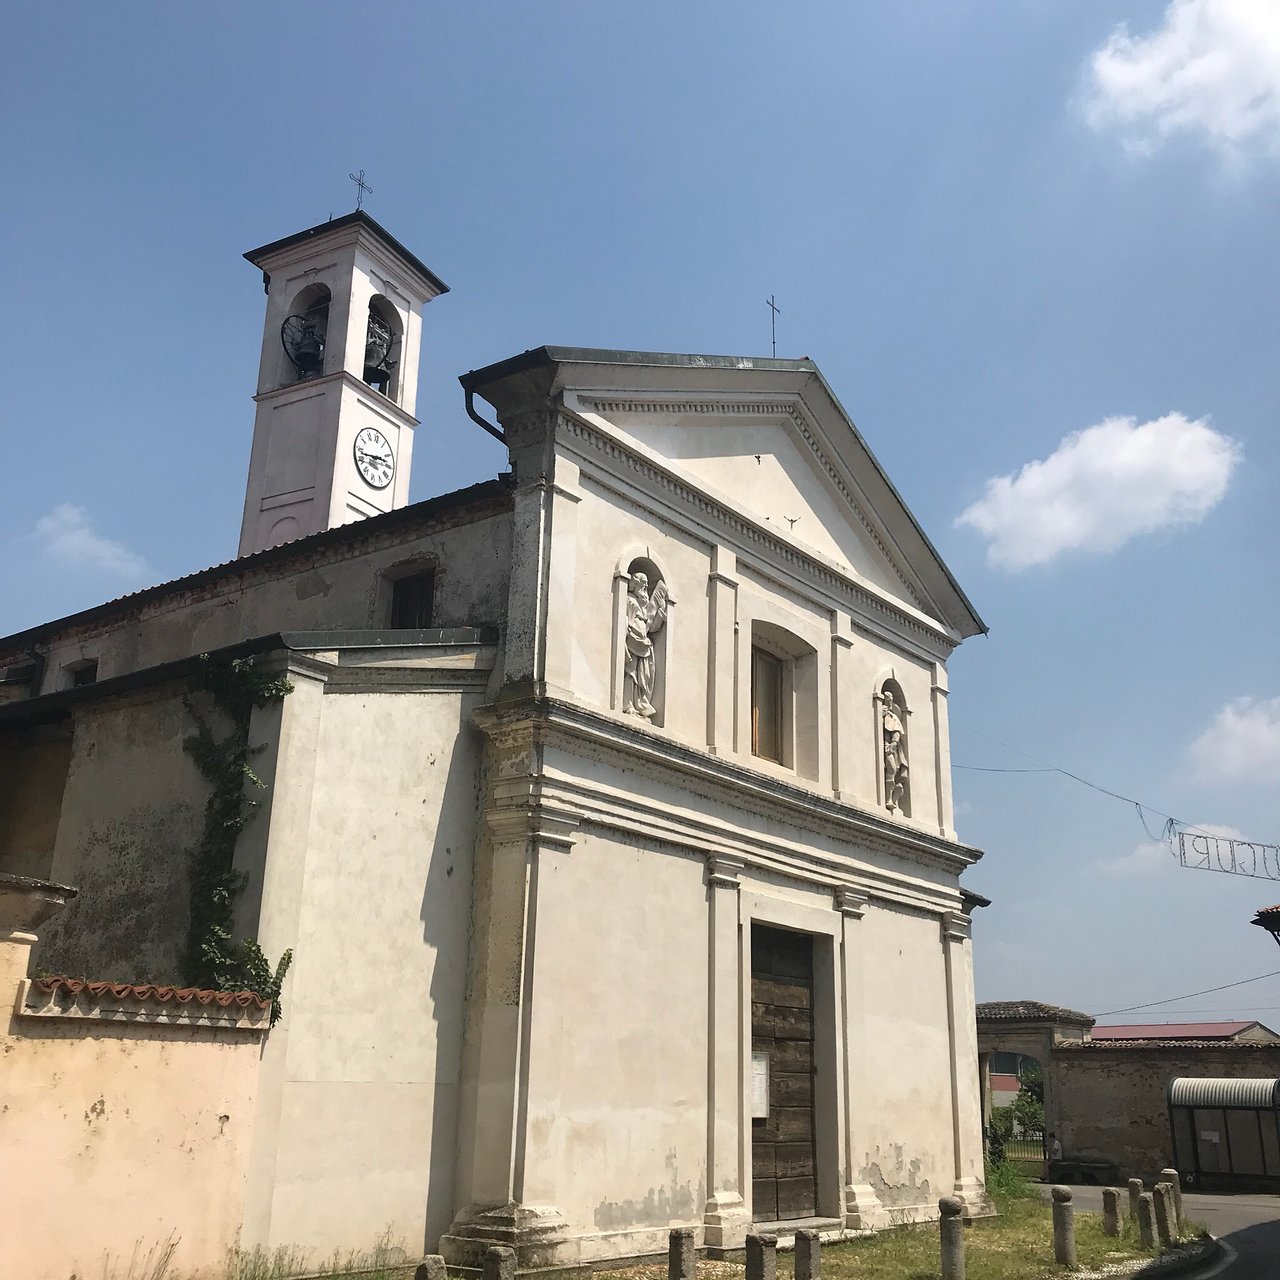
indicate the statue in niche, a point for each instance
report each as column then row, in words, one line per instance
column 894, row 735
column 646, row 612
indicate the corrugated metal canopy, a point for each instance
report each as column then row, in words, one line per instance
column 1214, row 1091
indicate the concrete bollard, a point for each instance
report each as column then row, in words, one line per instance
column 1174, row 1179
column 951, row 1229
column 1146, row 1221
column 762, row 1257
column 1112, row 1223
column 1064, row 1227
column 808, row 1255
column 1135, row 1194
column 431, row 1268
column 499, row 1263
column 1162, row 1203
column 682, row 1258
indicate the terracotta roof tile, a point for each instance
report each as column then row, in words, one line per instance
column 150, row 993
column 1030, row 1011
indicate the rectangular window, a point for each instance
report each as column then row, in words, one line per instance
column 766, row 705
column 411, row 601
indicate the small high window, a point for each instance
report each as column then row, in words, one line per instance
column 766, row 705
column 82, row 672
column 411, row 601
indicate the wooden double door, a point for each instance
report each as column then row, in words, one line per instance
column 784, row 1184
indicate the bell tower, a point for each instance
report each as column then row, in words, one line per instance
column 333, row 435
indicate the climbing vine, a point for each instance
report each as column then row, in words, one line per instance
column 213, row 958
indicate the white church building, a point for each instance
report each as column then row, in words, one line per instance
column 608, row 818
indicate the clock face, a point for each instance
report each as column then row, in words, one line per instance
column 374, row 460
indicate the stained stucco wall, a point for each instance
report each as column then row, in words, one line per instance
column 130, row 816
column 617, row 1098
column 33, row 773
column 905, row 1089
column 337, row 586
column 1114, row 1101
column 113, row 1136
column 372, row 1037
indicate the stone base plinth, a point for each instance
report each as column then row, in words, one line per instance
column 537, row 1233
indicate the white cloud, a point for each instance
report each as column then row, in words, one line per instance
column 1103, row 486
column 67, row 534
column 1243, row 741
column 1211, row 69
column 1154, row 857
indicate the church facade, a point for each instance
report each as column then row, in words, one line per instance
column 608, row 816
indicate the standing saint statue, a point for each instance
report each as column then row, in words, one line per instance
column 645, row 615
column 895, row 754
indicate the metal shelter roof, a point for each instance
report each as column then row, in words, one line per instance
column 1214, row 1091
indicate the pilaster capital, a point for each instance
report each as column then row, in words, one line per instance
column 723, row 870
column 956, row 926
column 851, row 902
column 550, row 826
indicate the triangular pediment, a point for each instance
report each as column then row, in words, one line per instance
column 765, row 439
column 769, row 465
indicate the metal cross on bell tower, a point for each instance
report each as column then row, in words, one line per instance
column 362, row 188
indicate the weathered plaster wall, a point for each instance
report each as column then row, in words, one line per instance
column 905, row 1092
column 131, row 814
column 116, row 1135
column 1114, row 1102
column 33, row 773
column 332, row 587
column 374, row 1005
column 617, row 1094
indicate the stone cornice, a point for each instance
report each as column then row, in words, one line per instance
column 375, row 399
column 852, row 593
column 551, row 721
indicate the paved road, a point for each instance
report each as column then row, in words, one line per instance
column 1250, row 1224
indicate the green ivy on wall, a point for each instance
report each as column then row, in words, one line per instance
column 212, row 957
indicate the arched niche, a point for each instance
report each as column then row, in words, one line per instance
column 304, row 335
column 384, row 336
column 642, row 603
column 893, row 745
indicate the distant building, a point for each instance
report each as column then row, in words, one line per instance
column 1216, row 1031
column 1106, row 1089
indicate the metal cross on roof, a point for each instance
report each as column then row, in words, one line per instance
column 362, row 188
column 773, row 321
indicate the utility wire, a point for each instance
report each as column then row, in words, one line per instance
column 1190, row 994
column 1170, row 822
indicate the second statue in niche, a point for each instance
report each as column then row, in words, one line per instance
column 646, row 612
column 895, row 755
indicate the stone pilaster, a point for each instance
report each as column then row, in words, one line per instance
column 560, row 619
column 942, row 752
column 962, row 1035
column 844, row 730
column 722, row 665
column 862, row 1207
column 501, row 1204
column 725, row 1215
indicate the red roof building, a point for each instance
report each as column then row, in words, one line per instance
column 1248, row 1031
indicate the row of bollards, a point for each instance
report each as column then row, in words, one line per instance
column 1158, row 1214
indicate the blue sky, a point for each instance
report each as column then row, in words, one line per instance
column 992, row 225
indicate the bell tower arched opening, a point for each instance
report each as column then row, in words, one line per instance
column 383, row 340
